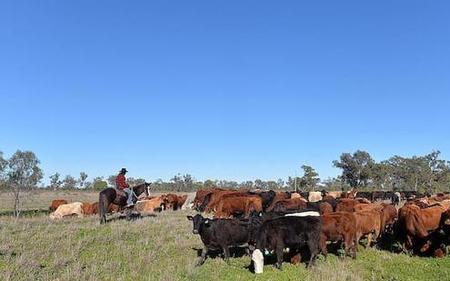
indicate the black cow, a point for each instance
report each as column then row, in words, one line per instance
column 394, row 197
column 378, row 196
column 221, row 234
column 266, row 197
column 293, row 232
column 333, row 202
column 365, row 194
column 408, row 195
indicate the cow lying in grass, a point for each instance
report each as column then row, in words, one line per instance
column 90, row 209
column 56, row 203
column 71, row 209
column 151, row 205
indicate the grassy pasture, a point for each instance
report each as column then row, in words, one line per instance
column 163, row 248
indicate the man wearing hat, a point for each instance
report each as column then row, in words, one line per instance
column 121, row 184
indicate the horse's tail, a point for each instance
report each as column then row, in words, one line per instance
column 102, row 207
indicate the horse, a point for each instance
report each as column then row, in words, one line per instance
column 109, row 195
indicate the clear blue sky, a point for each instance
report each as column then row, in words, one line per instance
column 222, row 89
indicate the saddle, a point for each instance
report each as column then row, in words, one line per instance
column 120, row 195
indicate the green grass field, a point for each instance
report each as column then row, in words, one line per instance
column 163, row 248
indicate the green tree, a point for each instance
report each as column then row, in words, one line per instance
column 69, row 182
column 83, row 177
column 228, row 184
column 423, row 173
column 260, row 184
column 272, row 185
column 356, row 168
column 177, row 181
column 98, row 183
column 3, row 166
column 22, row 172
column 280, row 183
column 133, row 182
column 112, row 180
column 292, row 183
column 333, row 184
column 380, row 175
column 188, row 182
column 55, row 182
column 209, row 184
column 310, row 178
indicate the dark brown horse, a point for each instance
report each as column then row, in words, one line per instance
column 110, row 195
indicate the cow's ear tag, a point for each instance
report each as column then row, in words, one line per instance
column 266, row 252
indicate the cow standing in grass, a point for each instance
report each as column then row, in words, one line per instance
column 293, row 231
column 221, row 234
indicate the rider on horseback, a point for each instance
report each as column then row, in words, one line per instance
column 121, row 184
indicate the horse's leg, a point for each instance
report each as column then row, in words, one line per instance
column 103, row 204
column 128, row 213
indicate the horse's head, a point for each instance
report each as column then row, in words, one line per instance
column 139, row 189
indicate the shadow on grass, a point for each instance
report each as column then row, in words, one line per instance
column 132, row 217
column 26, row 213
column 238, row 252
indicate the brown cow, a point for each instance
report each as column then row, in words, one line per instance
column 113, row 208
column 213, row 199
column 292, row 204
column 56, row 203
column 388, row 217
column 415, row 222
column 339, row 227
column 325, row 208
column 232, row 205
column 90, row 209
column 368, row 222
column 201, row 194
column 278, row 197
column 388, row 213
column 348, row 205
column 152, row 205
column 367, row 207
column 171, row 201
column 181, row 200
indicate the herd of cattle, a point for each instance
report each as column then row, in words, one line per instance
column 60, row 208
column 303, row 225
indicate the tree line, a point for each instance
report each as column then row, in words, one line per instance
column 426, row 173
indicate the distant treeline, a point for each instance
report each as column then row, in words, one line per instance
column 427, row 173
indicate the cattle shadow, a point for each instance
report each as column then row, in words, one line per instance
column 389, row 242
column 132, row 217
column 235, row 252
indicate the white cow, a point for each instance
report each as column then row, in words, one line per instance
column 314, row 196
column 70, row 209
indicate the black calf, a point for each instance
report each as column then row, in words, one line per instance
column 221, row 234
column 290, row 232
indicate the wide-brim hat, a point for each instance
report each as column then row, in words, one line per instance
column 123, row 170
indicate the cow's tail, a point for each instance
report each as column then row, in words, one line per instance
column 102, row 207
